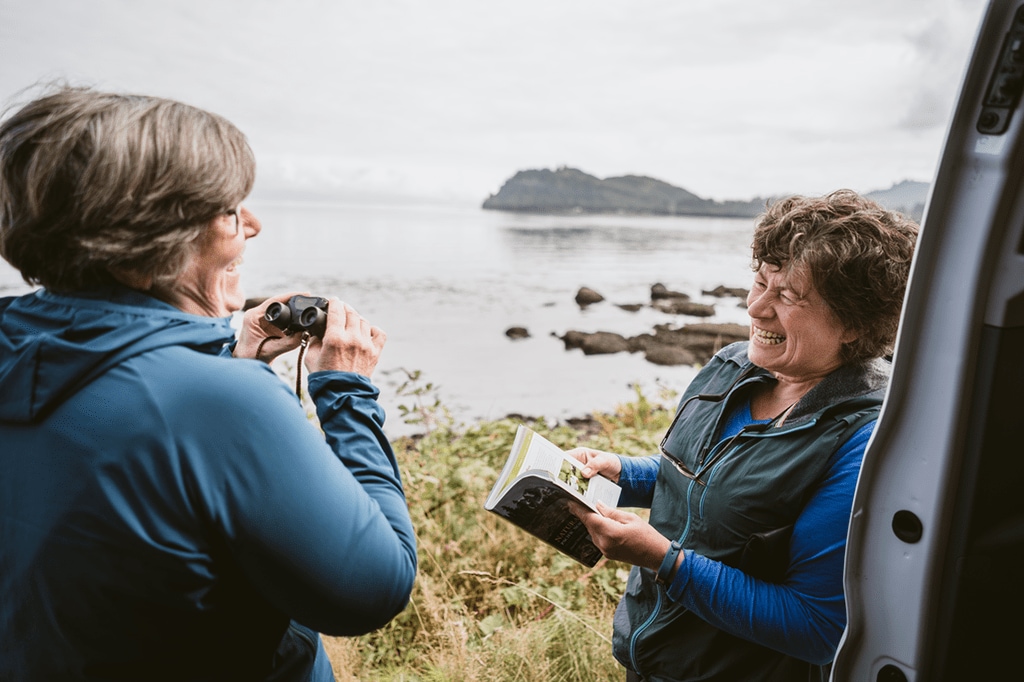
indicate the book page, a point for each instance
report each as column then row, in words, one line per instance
column 536, row 489
column 531, row 452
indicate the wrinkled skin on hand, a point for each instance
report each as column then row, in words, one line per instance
column 349, row 344
column 255, row 329
column 620, row 535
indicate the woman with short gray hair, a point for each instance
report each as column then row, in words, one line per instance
column 167, row 511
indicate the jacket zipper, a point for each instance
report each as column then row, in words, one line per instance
column 686, row 529
column 657, row 605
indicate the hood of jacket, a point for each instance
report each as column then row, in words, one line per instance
column 52, row 345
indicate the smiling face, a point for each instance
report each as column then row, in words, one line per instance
column 210, row 284
column 793, row 332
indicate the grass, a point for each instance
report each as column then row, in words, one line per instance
column 490, row 601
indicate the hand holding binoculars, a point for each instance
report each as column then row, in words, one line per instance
column 299, row 314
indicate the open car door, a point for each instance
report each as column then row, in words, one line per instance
column 935, row 563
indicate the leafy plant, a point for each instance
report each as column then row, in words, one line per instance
column 491, row 602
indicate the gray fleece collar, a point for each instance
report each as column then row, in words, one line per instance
column 855, row 380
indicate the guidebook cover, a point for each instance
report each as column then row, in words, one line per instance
column 535, row 488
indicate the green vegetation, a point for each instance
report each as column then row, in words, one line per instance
column 491, row 602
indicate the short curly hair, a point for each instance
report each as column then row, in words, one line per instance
column 857, row 254
column 93, row 183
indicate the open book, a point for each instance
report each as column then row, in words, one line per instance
column 534, row 490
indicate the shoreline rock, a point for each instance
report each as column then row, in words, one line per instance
column 687, row 345
column 676, row 306
column 691, row 344
column 587, row 296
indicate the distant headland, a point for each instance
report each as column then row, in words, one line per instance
column 569, row 190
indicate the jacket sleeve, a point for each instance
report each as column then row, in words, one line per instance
column 320, row 527
column 803, row 616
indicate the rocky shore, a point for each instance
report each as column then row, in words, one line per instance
column 666, row 344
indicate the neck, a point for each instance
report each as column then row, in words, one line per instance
column 189, row 301
column 772, row 399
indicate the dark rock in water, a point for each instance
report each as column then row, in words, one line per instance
column 660, row 292
column 703, row 340
column 630, row 307
column 585, row 296
column 676, row 306
column 517, row 333
column 692, row 344
column 595, row 343
column 723, row 291
column 663, row 354
column 689, row 345
column 572, row 339
column 728, row 330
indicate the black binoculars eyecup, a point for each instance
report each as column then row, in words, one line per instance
column 278, row 314
column 299, row 314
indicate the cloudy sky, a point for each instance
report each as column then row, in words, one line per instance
column 448, row 98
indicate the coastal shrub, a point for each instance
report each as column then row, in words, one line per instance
column 491, row 602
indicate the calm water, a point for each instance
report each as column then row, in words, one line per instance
column 445, row 283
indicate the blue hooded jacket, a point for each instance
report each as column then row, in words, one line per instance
column 170, row 512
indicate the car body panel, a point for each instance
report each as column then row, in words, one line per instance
column 935, row 562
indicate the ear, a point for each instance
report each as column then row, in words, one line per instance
column 132, row 278
column 849, row 335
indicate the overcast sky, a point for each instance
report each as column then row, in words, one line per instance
column 730, row 99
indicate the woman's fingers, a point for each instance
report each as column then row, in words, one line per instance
column 350, row 343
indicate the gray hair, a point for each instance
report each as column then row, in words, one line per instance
column 93, row 183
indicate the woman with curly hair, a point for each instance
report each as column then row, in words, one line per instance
column 738, row 574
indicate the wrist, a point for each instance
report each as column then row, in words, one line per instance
column 670, row 564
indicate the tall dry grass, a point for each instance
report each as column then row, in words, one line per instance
column 491, row 603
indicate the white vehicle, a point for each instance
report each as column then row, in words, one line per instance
column 935, row 562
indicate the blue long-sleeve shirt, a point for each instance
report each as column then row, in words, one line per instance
column 803, row 616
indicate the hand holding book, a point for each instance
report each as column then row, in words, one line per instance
column 537, row 485
column 623, row 536
column 597, row 462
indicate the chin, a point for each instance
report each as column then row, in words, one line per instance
column 232, row 300
column 760, row 356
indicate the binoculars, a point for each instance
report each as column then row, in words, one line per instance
column 300, row 314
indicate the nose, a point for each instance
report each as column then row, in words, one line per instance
column 250, row 223
column 757, row 304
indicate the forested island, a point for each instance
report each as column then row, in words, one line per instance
column 569, row 190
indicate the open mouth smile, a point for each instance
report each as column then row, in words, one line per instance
column 766, row 337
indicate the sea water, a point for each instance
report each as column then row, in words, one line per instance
column 446, row 283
